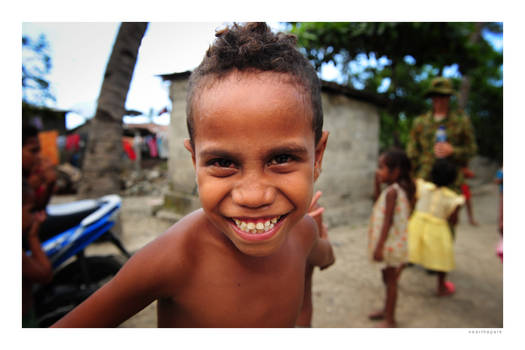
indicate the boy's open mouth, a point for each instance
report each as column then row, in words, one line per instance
column 257, row 226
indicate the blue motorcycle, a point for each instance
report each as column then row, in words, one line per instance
column 69, row 228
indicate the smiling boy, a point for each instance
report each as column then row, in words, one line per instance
column 256, row 141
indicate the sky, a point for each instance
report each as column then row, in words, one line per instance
column 80, row 51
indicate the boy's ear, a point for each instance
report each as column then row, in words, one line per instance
column 189, row 147
column 319, row 152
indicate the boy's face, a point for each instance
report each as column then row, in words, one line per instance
column 30, row 154
column 255, row 158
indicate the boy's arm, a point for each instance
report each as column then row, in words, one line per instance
column 321, row 254
column 111, row 305
column 49, row 177
column 139, row 282
column 37, row 267
column 391, row 197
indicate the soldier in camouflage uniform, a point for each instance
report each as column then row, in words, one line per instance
column 460, row 145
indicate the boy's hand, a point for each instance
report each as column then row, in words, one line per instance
column 48, row 171
column 328, row 264
column 378, row 253
column 324, row 232
column 38, row 218
column 315, row 209
column 35, row 179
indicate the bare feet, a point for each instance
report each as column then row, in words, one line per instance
column 387, row 324
column 378, row 315
column 473, row 222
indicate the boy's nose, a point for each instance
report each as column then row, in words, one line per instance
column 253, row 193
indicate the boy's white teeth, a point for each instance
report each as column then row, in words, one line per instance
column 256, row 228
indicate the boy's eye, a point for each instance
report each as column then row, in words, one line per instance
column 222, row 163
column 221, row 167
column 281, row 159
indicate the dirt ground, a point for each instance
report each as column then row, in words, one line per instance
column 349, row 290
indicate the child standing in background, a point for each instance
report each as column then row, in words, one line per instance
column 430, row 238
column 305, row 316
column 387, row 234
column 36, row 267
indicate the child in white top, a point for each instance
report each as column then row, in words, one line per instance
column 387, row 234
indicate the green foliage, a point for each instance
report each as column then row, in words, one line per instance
column 398, row 60
column 486, row 110
column 36, row 65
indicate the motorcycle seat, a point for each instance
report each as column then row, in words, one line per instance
column 61, row 217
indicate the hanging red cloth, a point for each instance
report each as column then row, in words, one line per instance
column 128, row 148
column 73, row 142
column 152, row 144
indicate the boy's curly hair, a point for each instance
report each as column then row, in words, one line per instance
column 253, row 46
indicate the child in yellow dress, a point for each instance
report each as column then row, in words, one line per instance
column 430, row 240
column 387, row 234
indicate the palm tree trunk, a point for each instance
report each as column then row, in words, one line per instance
column 102, row 163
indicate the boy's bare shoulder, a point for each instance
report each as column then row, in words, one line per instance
column 306, row 231
column 174, row 251
column 193, row 221
column 183, row 235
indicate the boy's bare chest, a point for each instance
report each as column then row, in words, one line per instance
column 221, row 295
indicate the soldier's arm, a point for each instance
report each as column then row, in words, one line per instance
column 468, row 148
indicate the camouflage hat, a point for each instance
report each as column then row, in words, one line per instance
column 440, row 86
